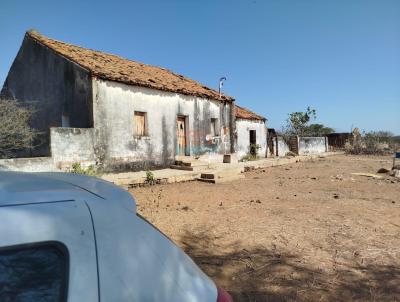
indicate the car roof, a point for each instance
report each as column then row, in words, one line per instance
column 21, row 188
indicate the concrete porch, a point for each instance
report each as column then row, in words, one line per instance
column 213, row 173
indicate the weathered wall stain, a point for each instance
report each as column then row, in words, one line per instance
column 116, row 103
column 53, row 85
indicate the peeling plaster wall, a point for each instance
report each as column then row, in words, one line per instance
column 35, row 164
column 243, row 128
column 114, row 141
column 283, row 147
column 69, row 145
column 312, row 145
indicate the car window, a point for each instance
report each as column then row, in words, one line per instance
column 34, row 273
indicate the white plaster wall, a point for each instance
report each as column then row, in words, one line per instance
column 114, row 107
column 312, row 145
column 70, row 145
column 243, row 136
column 34, row 164
column 283, row 147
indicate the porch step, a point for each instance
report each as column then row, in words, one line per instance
column 222, row 175
column 222, row 180
column 194, row 163
column 189, row 163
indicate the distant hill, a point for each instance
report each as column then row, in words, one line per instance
column 396, row 138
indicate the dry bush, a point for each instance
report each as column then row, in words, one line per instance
column 372, row 143
column 15, row 132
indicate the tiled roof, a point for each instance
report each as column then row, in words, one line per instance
column 118, row 69
column 246, row 114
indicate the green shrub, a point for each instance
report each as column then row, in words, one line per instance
column 254, row 149
column 89, row 171
column 150, row 177
column 253, row 153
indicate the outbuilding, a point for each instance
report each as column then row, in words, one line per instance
column 251, row 133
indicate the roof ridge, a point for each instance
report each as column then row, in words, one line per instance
column 37, row 35
column 117, row 68
column 248, row 114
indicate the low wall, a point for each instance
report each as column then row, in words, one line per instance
column 312, row 145
column 283, row 147
column 69, row 145
column 34, row 164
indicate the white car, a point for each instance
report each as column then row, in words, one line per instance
column 72, row 238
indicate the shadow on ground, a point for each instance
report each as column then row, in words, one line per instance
column 260, row 274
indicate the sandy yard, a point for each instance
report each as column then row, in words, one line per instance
column 309, row 231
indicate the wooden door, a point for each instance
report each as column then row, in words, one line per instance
column 181, row 135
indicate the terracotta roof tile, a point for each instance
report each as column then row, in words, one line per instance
column 246, row 114
column 118, row 69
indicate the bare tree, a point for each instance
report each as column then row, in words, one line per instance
column 15, row 132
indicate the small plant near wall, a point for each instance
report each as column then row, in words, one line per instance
column 150, row 179
column 253, row 152
column 78, row 169
column 254, row 149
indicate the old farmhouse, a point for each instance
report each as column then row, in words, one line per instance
column 100, row 108
column 251, row 131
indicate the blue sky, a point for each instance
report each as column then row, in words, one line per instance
column 340, row 57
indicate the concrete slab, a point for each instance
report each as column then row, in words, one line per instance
column 229, row 171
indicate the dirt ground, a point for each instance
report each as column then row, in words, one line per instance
column 308, row 231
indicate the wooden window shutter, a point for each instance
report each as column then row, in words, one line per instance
column 140, row 124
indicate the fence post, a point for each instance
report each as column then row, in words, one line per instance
column 298, row 144
column 326, row 144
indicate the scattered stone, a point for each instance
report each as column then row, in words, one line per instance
column 336, row 196
column 313, row 178
column 277, row 197
column 337, row 177
column 220, row 204
column 290, row 154
column 185, row 208
column 382, row 170
column 258, row 201
column 393, row 201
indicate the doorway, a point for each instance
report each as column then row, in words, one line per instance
column 181, row 136
column 253, row 139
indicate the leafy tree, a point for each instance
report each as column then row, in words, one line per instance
column 15, row 132
column 297, row 122
column 318, row 130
